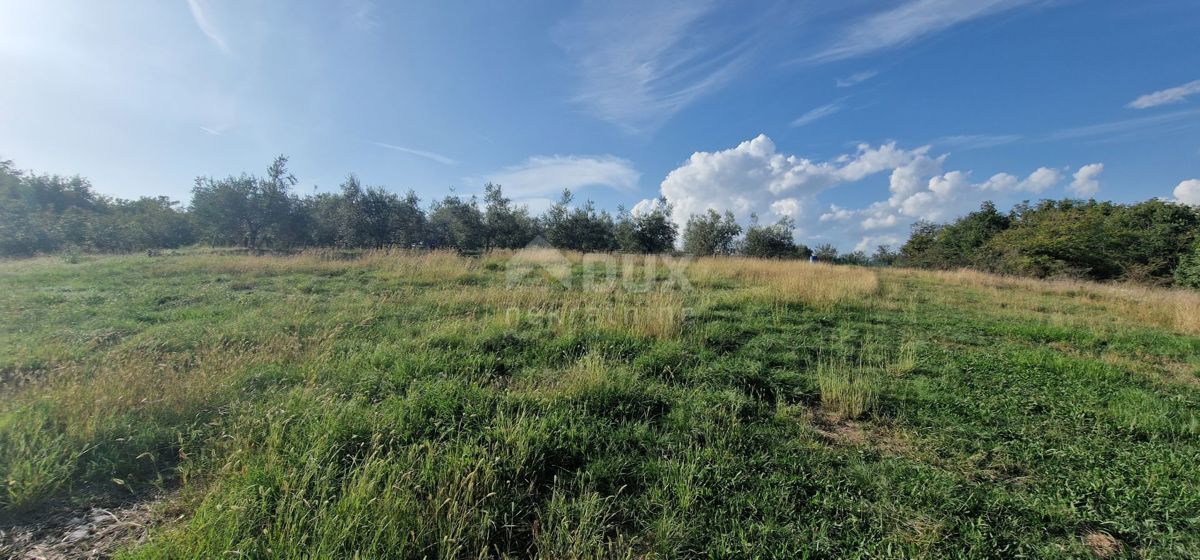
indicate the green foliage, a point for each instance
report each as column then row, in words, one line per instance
column 457, row 223
column 508, row 227
column 884, row 256
column 1188, row 272
column 775, row 241
column 954, row 245
column 825, row 252
column 579, row 228
column 249, row 211
column 650, row 231
column 45, row 214
column 1142, row 242
column 711, row 234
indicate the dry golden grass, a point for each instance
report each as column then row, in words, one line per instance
column 1174, row 309
column 788, row 281
column 421, row 266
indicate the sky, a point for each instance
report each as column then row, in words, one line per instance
column 855, row 119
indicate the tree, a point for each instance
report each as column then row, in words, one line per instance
column 224, row 210
column 1187, row 274
column 958, row 244
column 858, row 258
column 773, row 242
column 884, row 256
column 649, row 231
column 710, row 234
column 246, row 210
column 507, row 227
column 456, row 222
column 826, row 253
column 581, row 228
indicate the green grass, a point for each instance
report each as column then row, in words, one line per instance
column 394, row 406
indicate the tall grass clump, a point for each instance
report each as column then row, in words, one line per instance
column 578, row 523
column 846, row 391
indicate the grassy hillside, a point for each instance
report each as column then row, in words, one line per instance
column 397, row 405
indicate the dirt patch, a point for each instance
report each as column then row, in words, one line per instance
column 87, row 532
column 852, row 433
column 1101, row 545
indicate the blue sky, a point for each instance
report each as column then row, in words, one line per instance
column 853, row 118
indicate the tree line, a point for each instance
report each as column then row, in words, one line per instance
column 48, row 213
column 1153, row 241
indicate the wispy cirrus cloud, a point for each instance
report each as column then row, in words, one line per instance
column 855, row 78
column 216, row 130
column 1126, row 126
column 976, row 141
column 547, row 175
column 420, row 153
column 638, row 63
column 1167, row 96
column 817, row 114
column 910, row 21
column 207, row 27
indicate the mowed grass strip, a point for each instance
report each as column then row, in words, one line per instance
column 401, row 404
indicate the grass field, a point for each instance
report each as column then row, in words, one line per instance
column 430, row 405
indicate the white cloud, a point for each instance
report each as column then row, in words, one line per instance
column 910, row 21
column 207, row 27
column 1086, row 181
column 1188, row 192
column 641, row 62
column 855, row 79
column 836, row 214
column 1041, row 179
column 548, row 175
column 646, row 206
column 920, row 190
column 1167, row 96
column 421, row 153
column 817, row 114
column 753, row 178
column 788, row 207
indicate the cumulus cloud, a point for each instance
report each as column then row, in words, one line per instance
column 1167, row 96
column 1086, row 181
column 1038, row 181
column 547, row 175
column 753, row 178
column 647, row 206
column 1188, row 192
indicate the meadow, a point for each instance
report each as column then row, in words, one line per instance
column 535, row 404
